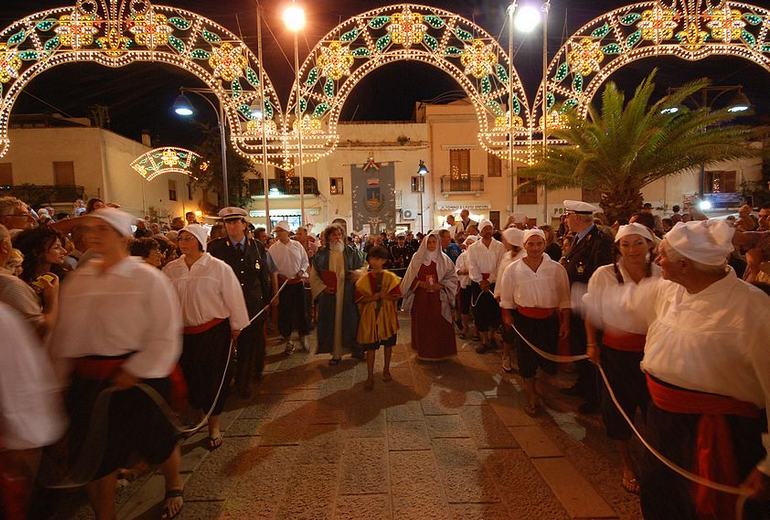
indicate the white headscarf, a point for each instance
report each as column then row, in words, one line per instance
column 532, row 233
column 445, row 273
column 634, row 229
column 705, row 241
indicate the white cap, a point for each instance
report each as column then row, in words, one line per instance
column 704, row 241
column 484, row 223
column 118, row 219
column 282, row 225
column 232, row 212
column 580, row 207
column 520, row 218
column 634, row 229
column 199, row 232
column 470, row 240
column 514, row 236
column 533, row 233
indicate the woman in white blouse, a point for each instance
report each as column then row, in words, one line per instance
column 616, row 338
column 214, row 313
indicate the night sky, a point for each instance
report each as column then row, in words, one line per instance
column 140, row 96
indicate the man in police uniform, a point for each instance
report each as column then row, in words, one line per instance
column 591, row 249
column 248, row 259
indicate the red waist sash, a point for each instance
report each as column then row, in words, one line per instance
column 200, row 329
column 536, row 313
column 714, row 457
column 103, row 369
column 625, row 341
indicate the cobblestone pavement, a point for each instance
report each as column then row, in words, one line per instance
column 441, row 441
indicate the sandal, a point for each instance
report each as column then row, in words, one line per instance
column 369, row 385
column 630, row 484
column 173, row 496
column 333, row 362
column 507, row 368
column 214, row 442
column 387, row 378
column 531, row 410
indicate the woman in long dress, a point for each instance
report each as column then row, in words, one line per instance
column 429, row 288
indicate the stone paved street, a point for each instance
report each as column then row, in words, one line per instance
column 443, row 441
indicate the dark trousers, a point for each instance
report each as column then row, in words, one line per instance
column 251, row 354
column 544, row 333
column 630, row 388
column 204, row 361
column 292, row 311
column 664, row 494
column 588, row 376
column 486, row 311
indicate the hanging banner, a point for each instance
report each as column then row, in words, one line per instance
column 373, row 193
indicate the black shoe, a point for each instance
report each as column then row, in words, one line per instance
column 358, row 354
column 589, row 408
column 333, row 362
column 573, row 390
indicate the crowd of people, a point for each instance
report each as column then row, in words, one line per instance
column 107, row 318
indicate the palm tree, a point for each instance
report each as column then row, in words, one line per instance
column 627, row 146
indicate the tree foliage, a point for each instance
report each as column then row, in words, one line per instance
column 624, row 146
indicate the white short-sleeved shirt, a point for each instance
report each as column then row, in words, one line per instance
column 546, row 288
column 483, row 259
column 289, row 259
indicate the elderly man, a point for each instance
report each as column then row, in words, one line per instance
column 291, row 266
column 465, row 222
column 708, row 372
column 15, row 215
column 590, row 249
column 333, row 285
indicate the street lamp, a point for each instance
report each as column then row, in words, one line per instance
column 422, row 171
column 525, row 20
column 184, row 108
column 294, row 20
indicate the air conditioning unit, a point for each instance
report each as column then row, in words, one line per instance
column 408, row 214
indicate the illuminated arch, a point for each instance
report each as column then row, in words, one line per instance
column 169, row 160
column 405, row 32
column 688, row 29
column 116, row 33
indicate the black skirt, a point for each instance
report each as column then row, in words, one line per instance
column 630, row 387
column 101, row 441
column 203, row 361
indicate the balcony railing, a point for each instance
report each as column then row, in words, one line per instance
column 283, row 187
column 37, row 194
column 469, row 184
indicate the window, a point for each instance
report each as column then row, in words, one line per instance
column 494, row 166
column 64, row 173
column 418, row 184
column 335, row 186
column 460, row 170
column 189, row 191
column 6, row 174
column 171, row 189
column 719, row 182
column 527, row 193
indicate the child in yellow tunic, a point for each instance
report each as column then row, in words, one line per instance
column 376, row 295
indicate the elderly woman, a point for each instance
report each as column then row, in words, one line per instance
column 617, row 338
column 148, row 249
column 429, row 288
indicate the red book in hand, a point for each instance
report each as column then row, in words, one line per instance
column 329, row 279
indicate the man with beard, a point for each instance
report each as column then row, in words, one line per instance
column 332, row 282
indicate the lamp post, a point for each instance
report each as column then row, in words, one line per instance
column 183, row 107
column 739, row 104
column 422, row 171
column 525, row 21
column 261, row 117
column 294, row 19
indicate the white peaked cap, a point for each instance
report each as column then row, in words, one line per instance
column 484, row 223
column 580, row 207
column 118, row 219
column 634, row 229
column 705, row 241
column 514, row 236
column 283, row 225
column 199, row 232
column 533, row 233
